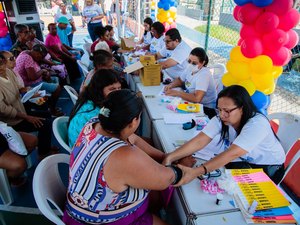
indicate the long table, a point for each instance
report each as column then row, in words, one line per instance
column 192, row 205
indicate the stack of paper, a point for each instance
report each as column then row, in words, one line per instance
column 259, row 199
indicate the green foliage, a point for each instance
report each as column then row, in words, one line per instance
column 222, row 33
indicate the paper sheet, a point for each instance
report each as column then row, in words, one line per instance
column 174, row 118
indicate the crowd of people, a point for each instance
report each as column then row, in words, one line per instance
column 109, row 161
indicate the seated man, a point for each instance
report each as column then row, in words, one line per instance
column 22, row 33
column 63, row 31
column 175, row 65
column 27, row 65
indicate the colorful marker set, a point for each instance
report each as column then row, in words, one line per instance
column 261, row 201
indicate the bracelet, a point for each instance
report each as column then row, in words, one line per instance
column 205, row 169
column 178, row 173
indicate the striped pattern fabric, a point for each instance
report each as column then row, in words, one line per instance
column 89, row 198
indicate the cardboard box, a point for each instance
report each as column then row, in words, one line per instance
column 128, row 43
column 150, row 71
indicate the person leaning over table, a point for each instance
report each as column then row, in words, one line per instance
column 176, row 51
column 198, row 83
column 247, row 134
column 107, row 182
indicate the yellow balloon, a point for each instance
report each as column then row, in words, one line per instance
column 170, row 20
column 152, row 7
column 248, row 85
column 228, row 80
column 74, row 1
column 153, row 3
column 160, row 10
column 261, row 64
column 1, row 9
column 239, row 70
column 237, row 55
column 262, row 81
column 269, row 90
column 277, row 71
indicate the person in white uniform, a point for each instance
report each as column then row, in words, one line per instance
column 247, row 135
column 147, row 36
column 157, row 43
column 176, row 61
column 197, row 81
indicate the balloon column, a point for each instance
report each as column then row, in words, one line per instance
column 152, row 10
column 266, row 37
column 5, row 41
column 167, row 13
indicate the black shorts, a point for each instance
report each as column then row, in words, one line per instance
column 3, row 144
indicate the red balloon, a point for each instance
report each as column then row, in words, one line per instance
column 292, row 40
column 249, row 13
column 248, row 31
column 267, row 22
column 280, row 7
column 2, row 23
column 240, row 42
column 2, row 16
column 3, row 32
column 236, row 11
column 289, row 20
column 251, row 47
column 279, row 57
column 275, row 39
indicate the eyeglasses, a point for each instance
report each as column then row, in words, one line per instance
column 25, row 32
column 191, row 62
column 12, row 58
column 168, row 41
column 226, row 112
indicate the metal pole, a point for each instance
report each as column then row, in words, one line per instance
column 208, row 25
column 139, row 17
column 118, row 17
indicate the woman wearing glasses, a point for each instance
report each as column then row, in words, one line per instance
column 197, row 81
column 247, row 136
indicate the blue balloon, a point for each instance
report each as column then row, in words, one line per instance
column 242, row 2
column 262, row 3
column 160, row 5
column 264, row 111
column 175, row 4
column 260, row 100
column 166, row 6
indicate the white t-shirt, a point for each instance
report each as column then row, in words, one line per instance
column 180, row 55
column 157, row 44
column 92, row 11
column 256, row 137
column 147, row 38
column 201, row 81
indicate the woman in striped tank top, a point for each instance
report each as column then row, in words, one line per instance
column 107, row 173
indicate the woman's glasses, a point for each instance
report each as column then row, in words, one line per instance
column 12, row 58
column 226, row 112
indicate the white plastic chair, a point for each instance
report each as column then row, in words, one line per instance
column 5, row 190
column 60, row 131
column 218, row 70
column 87, row 47
column 83, row 67
column 72, row 93
column 288, row 134
column 48, row 187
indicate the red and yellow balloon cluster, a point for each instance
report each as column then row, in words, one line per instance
column 266, row 37
column 5, row 41
column 167, row 13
